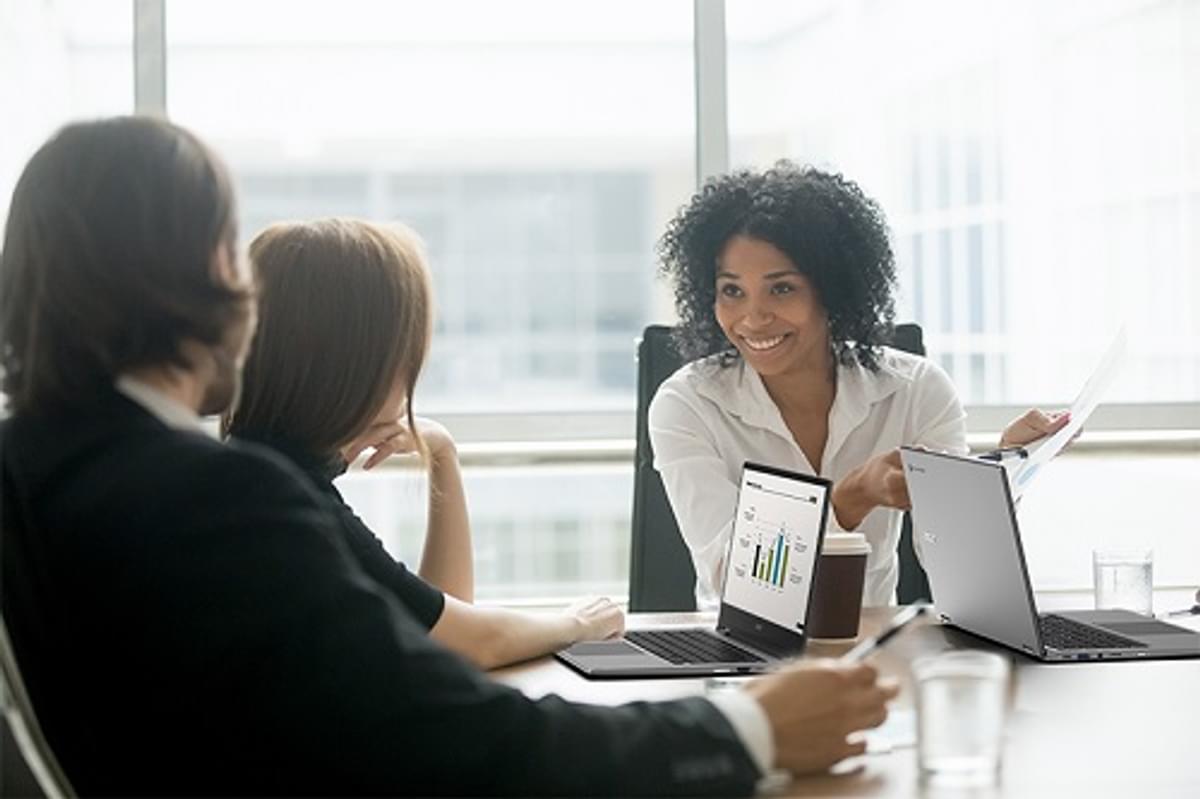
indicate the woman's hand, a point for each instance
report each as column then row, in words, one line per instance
column 392, row 437
column 883, row 480
column 878, row 482
column 1033, row 425
column 596, row 618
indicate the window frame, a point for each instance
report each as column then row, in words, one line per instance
column 556, row 434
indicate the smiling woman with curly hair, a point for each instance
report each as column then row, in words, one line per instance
column 783, row 283
column 822, row 222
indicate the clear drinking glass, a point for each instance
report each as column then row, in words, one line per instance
column 962, row 705
column 1124, row 578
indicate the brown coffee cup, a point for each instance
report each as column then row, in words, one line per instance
column 838, row 586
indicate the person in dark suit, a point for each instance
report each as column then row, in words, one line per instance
column 345, row 321
column 187, row 617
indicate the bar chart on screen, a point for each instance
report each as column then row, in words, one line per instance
column 768, row 545
column 773, row 549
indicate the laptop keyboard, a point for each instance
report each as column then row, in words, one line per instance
column 1062, row 633
column 689, row 646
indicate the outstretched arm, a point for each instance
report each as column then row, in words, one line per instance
column 492, row 637
column 939, row 425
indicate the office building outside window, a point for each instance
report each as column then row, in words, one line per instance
column 1039, row 164
column 539, row 148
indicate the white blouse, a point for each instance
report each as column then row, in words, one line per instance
column 705, row 421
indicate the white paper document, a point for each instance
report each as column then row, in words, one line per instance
column 1021, row 473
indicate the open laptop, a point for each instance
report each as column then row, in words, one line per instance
column 966, row 526
column 777, row 533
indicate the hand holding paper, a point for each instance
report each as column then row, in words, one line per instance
column 1020, row 475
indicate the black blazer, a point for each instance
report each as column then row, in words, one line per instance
column 424, row 601
column 189, row 622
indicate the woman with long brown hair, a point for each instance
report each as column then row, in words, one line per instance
column 345, row 319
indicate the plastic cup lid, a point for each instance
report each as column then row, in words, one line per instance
column 845, row 544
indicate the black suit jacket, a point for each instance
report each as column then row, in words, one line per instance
column 424, row 601
column 189, row 622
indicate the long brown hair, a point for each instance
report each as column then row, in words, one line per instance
column 108, row 259
column 344, row 308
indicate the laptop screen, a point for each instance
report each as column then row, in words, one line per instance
column 776, row 539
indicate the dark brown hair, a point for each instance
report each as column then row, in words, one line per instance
column 344, row 308
column 108, row 259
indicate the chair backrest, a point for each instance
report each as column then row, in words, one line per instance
column 913, row 585
column 661, row 576
column 22, row 728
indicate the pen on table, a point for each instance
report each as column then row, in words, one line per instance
column 869, row 645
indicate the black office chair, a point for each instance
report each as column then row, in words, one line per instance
column 661, row 576
column 913, row 585
column 29, row 767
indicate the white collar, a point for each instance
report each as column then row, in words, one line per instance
column 169, row 411
column 739, row 390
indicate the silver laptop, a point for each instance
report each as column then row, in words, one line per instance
column 966, row 527
column 777, row 533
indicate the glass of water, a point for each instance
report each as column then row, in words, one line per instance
column 1124, row 578
column 962, row 705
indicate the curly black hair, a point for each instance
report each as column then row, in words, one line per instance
column 835, row 235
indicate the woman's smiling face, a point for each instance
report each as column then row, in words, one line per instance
column 768, row 309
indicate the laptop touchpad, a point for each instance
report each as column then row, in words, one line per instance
column 1147, row 627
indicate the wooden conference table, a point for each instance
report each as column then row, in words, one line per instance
column 1116, row 729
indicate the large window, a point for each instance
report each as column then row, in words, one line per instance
column 59, row 60
column 538, row 531
column 1040, row 167
column 1039, row 163
column 537, row 146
